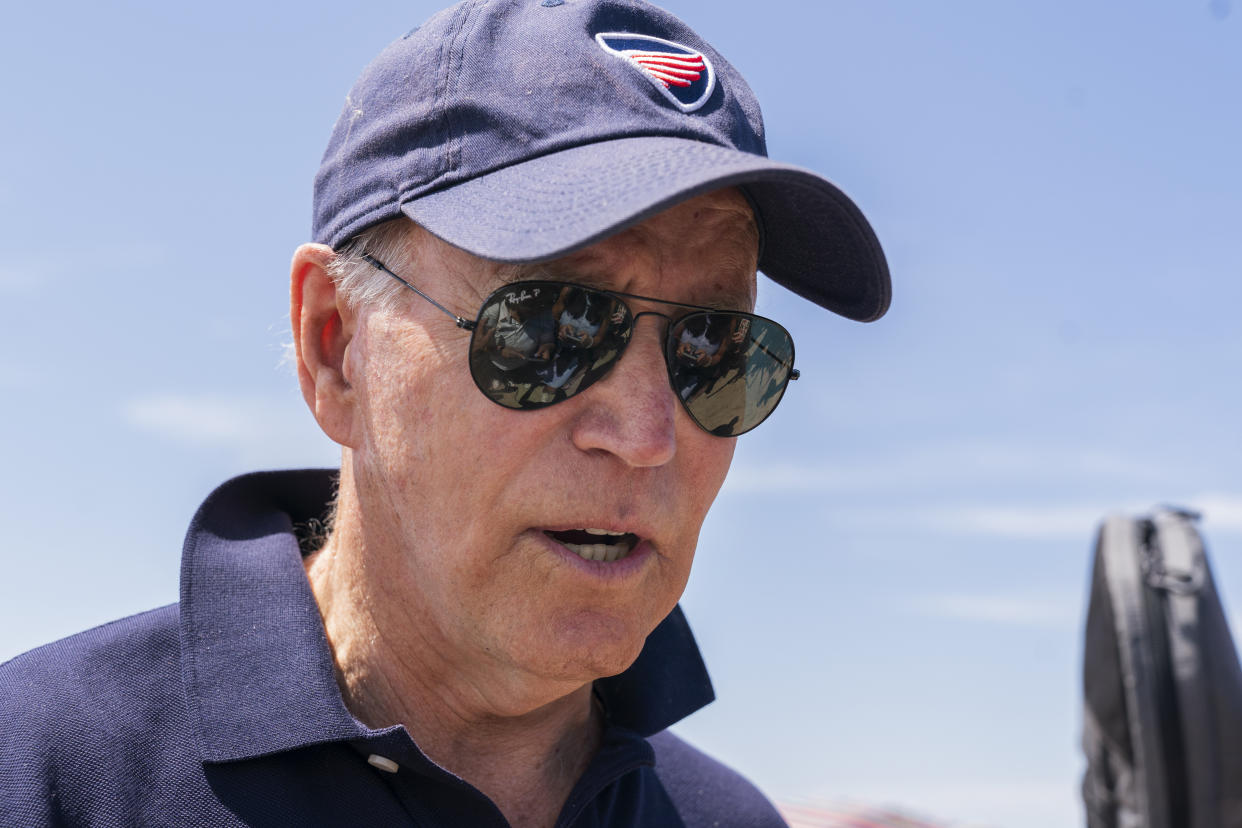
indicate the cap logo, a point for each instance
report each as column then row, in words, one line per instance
column 683, row 75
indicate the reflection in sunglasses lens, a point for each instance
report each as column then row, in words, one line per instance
column 537, row 343
column 729, row 369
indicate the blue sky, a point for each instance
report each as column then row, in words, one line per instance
column 890, row 590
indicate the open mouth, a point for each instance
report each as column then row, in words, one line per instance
column 596, row 544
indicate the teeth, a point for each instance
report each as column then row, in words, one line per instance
column 597, row 551
column 612, row 546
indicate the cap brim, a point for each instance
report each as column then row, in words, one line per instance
column 816, row 242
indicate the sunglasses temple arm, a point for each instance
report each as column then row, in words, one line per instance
column 461, row 323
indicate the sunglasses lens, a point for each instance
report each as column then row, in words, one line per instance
column 537, row 343
column 730, row 369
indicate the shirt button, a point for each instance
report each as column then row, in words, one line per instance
column 383, row 763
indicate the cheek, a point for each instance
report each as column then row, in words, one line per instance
column 711, row 459
column 406, row 405
column 405, row 384
column 432, row 437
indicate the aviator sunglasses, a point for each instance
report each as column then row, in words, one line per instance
column 537, row 343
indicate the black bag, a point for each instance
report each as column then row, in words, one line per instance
column 1162, row 713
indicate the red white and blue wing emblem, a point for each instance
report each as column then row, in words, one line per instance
column 683, row 75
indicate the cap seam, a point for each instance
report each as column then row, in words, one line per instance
column 444, row 82
column 457, row 60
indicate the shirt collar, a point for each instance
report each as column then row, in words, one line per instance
column 257, row 667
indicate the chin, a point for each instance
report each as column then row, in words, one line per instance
column 592, row 646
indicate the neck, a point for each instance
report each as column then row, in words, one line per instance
column 522, row 742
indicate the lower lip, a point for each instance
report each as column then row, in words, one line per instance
column 618, row 570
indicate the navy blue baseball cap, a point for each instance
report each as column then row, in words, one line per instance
column 522, row 130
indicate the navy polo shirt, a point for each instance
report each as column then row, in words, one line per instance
column 223, row 709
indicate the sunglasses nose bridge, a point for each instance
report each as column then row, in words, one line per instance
column 668, row 324
column 632, row 407
column 667, row 319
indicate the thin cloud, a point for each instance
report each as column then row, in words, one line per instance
column 1222, row 513
column 258, row 430
column 782, row 478
column 201, row 421
column 975, row 463
column 1026, row 522
column 16, row 280
column 14, row 376
column 1037, row 611
column 24, row 278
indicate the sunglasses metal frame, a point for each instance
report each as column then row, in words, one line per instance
column 472, row 324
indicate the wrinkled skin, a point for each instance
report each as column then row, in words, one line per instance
column 438, row 582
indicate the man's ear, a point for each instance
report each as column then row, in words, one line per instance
column 322, row 328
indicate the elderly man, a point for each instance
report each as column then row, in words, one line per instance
column 526, row 319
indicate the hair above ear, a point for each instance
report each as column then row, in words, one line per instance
column 357, row 280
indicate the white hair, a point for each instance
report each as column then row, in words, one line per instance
column 361, row 283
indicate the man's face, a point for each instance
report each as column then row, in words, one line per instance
column 466, row 505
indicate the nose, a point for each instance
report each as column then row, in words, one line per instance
column 631, row 412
